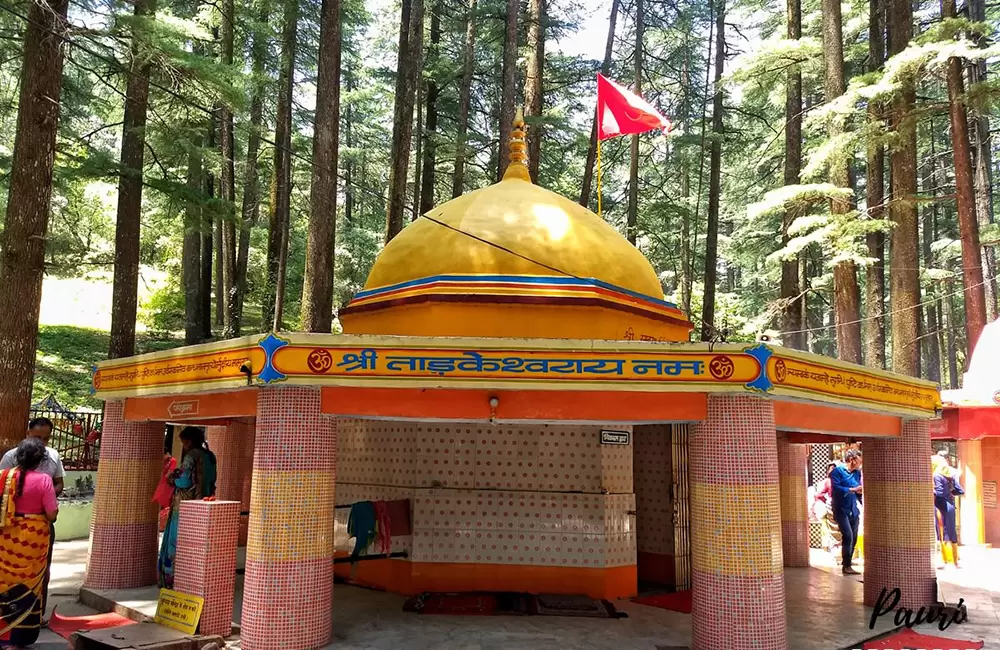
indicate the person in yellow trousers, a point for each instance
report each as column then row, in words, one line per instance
column 946, row 488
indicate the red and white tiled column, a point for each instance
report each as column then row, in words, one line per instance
column 123, row 530
column 246, row 471
column 794, row 502
column 738, row 590
column 206, row 560
column 288, row 591
column 899, row 517
column 233, row 448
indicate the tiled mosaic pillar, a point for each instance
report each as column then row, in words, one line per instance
column 899, row 516
column 288, row 593
column 206, row 560
column 738, row 599
column 229, row 445
column 123, row 535
column 246, row 464
column 794, row 502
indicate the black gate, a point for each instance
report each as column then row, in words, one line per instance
column 76, row 435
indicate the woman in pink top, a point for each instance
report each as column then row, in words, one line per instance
column 27, row 507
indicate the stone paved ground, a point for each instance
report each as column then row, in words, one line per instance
column 369, row 619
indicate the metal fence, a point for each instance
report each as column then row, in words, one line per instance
column 75, row 435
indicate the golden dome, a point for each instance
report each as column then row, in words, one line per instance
column 505, row 251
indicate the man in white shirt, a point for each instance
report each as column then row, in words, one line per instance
column 40, row 428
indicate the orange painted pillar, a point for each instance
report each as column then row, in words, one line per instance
column 794, row 503
column 738, row 588
column 288, row 592
column 899, row 517
column 123, row 530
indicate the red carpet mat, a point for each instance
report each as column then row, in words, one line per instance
column 65, row 626
column 454, row 604
column 678, row 601
column 909, row 639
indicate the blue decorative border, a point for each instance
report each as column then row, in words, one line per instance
column 762, row 354
column 517, row 279
column 270, row 345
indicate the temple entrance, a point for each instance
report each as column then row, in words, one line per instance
column 663, row 519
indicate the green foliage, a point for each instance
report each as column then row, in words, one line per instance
column 66, row 355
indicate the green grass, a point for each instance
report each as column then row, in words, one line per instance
column 65, row 357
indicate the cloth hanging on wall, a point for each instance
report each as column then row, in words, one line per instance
column 384, row 527
column 361, row 526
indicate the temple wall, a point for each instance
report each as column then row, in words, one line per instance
column 991, row 472
column 532, row 496
column 654, row 505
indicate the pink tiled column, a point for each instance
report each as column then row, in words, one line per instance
column 288, row 593
column 206, row 560
column 899, row 517
column 229, row 443
column 794, row 505
column 247, row 472
column 123, row 535
column 738, row 590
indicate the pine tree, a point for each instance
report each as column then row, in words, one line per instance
column 317, row 298
column 22, row 260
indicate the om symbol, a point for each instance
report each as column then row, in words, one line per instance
column 721, row 367
column 780, row 372
column 319, row 361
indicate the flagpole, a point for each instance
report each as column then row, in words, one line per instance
column 598, row 176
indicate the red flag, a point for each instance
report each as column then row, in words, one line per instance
column 621, row 112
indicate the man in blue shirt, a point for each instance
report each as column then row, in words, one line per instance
column 845, row 481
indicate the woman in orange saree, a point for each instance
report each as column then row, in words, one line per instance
column 27, row 507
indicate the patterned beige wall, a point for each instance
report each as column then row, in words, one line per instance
column 547, row 495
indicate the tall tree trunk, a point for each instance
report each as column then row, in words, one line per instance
column 317, row 291
column 533, row 85
column 22, row 261
column 227, row 186
column 428, row 174
column 418, row 151
column 904, row 280
column 965, row 193
column 683, row 161
column 846, row 293
column 219, row 297
column 588, row 168
column 508, row 94
column 874, row 324
column 929, row 235
column 207, row 239
column 250, row 211
column 949, row 313
column 464, row 100
column 125, row 289
column 281, row 181
column 411, row 27
column 632, row 219
column 194, row 328
column 791, row 321
column 983, row 164
column 348, row 142
column 715, row 180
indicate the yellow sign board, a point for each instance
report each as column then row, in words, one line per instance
column 179, row 611
column 345, row 360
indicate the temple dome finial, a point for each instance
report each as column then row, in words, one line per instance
column 517, row 168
